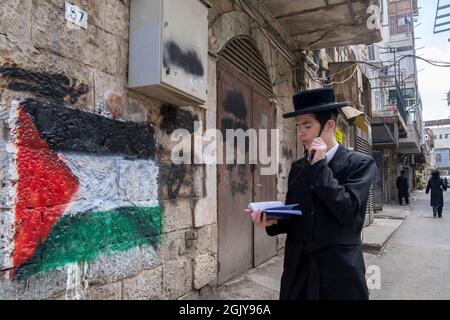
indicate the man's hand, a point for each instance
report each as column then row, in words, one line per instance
column 319, row 148
column 259, row 218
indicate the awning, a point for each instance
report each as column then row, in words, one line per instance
column 316, row 24
column 357, row 117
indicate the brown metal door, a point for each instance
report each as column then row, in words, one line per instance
column 241, row 245
column 265, row 247
column 235, row 182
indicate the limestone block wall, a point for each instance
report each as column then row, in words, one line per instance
column 91, row 205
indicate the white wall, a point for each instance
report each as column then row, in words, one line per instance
column 443, row 143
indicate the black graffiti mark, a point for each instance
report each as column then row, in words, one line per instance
column 53, row 86
column 239, row 187
column 287, row 153
column 173, row 177
column 175, row 118
column 229, row 123
column 73, row 130
column 188, row 61
column 235, row 104
column 232, row 124
column 241, row 184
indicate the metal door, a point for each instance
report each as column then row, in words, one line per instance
column 265, row 247
column 241, row 245
column 235, row 182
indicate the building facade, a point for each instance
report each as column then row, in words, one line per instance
column 397, row 128
column 92, row 204
column 441, row 136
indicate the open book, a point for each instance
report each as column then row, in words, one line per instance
column 276, row 209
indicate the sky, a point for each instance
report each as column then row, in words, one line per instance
column 434, row 82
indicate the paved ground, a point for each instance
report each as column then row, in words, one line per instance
column 414, row 264
column 261, row 283
column 377, row 235
column 416, row 261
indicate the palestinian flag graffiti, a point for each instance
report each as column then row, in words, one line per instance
column 86, row 185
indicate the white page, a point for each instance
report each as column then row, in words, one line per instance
column 265, row 205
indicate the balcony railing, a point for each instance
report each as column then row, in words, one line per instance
column 401, row 103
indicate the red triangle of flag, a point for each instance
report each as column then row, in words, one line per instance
column 45, row 188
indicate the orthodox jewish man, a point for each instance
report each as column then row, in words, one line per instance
column 323, row 254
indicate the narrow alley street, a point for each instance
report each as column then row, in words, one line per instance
column 416, row 262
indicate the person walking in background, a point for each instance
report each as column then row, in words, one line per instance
column 437, row 187
column 402, row 187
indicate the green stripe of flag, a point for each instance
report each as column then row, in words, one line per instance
column 84, row 236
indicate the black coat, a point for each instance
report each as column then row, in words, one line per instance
column 402, row 186
column 323, row 253
column 437, row 186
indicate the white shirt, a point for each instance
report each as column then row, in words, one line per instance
column 330, row 154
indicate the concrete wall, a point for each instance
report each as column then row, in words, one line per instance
column 91, row 205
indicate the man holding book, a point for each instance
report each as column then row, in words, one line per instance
column 323, row 253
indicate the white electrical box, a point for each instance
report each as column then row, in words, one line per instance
column 169, row 50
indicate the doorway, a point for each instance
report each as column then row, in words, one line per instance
column 243, row 101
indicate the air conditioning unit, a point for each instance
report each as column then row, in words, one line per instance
column 169, row 50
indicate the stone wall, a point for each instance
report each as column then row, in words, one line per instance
column 91, row 205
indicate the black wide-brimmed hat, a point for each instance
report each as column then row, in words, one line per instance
column 314, row 101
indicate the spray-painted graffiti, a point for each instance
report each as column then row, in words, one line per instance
column 174, row 118
column 186, row 60
column 287, row 153
column 235, row 105
column 53, row 86
column 72, row 130
column 239, row 187
column 175, row 178
column 86, row 185
column 241, row 184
